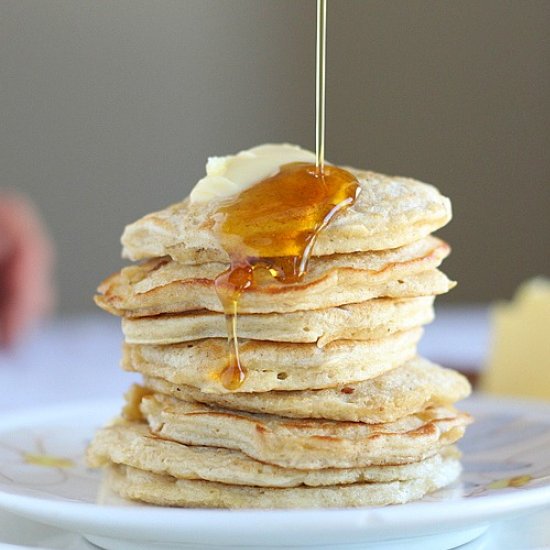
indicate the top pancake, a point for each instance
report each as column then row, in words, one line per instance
column 390, row 212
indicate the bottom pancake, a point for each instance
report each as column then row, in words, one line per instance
column 135, row 484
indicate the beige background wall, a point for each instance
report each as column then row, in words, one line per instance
column 110, row 108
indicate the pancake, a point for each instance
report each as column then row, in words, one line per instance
column 164, row 286
column 364, row 321
column 390, row 212
column 135, row 484
column 304, row 443
column 131, row 444
column 272, row 365
column 338, row 288
column 405, row 390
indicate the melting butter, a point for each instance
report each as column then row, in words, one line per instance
column 228, row 176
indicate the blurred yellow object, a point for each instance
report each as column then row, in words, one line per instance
column 519, row 360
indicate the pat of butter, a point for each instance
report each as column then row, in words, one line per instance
column 520, row 356
column 226, row 176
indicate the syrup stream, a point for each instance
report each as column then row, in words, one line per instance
column 320, row 72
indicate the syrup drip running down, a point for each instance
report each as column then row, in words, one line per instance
column 270, row 228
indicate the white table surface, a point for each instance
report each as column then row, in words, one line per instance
column 76, row 358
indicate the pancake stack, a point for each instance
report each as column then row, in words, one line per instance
column 336, row 408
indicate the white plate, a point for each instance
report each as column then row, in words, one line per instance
column 507, row 472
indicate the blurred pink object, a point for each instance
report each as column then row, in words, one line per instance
column 26, row 268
